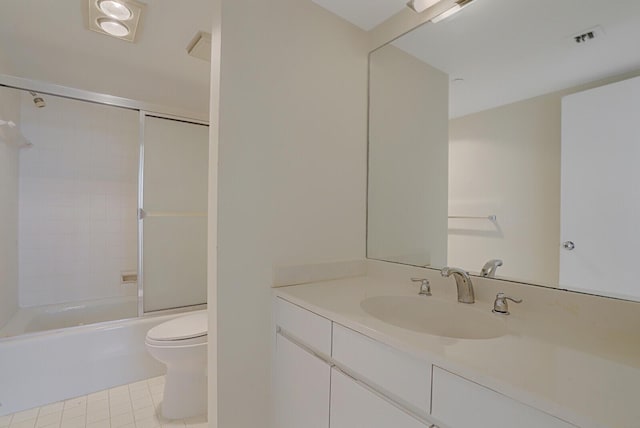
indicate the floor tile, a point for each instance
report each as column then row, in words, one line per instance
column 29, row 423
column 124, row 389
column 172, row 424
column 77, row 422
column 136, row 405
column 122, row 420
column 121, row 409
column 75, row 403
column 143, row 384
column 48, row 419
column 145, row 413
column 74, row 412
column 98, row 415
column 156, row 380
column 98, row 396
column 141, row 403
column 99, row 424
column 140, row 393
column 5, row 421
column 25, row 415
column 148, row 423
column 97, row 406
column 51, row 408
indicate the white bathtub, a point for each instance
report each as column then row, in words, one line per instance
column 72, row 314
column 54, row 365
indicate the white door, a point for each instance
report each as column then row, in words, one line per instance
column 354, row 406
column 600, row 220
column 301, row 386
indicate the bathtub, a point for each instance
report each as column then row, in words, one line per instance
column 49, row 366
column 62, row 315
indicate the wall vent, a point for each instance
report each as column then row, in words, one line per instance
column 200, row 46
column 587, row 36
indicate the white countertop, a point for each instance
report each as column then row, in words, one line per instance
column 585, row 372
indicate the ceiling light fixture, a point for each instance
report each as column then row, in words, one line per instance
column 115, row 9
column 113, row 27
column 116, row 18
column 421, row 5
column 460, row 4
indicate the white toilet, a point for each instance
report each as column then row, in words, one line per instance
column 181, row 344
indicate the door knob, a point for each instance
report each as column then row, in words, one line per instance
column 568, row 245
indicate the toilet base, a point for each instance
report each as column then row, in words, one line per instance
column 185, row 394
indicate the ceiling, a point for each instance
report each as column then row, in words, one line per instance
column 507, row 50
column 48, row 41
column 366, row 14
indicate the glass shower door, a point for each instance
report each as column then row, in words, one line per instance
column 173, row 213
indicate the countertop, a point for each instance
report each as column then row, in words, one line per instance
column 586, row 372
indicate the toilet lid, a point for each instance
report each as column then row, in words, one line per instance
column 185, row 327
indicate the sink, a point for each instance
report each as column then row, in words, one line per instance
column 436, row 317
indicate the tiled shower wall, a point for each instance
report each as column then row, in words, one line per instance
column 78, row 200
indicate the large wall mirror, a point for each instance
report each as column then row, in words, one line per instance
column 510, row 131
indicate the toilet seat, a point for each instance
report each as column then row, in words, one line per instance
column 200, row 340
column 180, row 331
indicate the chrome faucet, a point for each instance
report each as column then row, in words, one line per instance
column 425, row 287
column 465, row 287
column 500, row 305
column 489, row 269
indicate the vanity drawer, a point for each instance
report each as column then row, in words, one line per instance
column 353, row 405
column 311, row 329
column 461, row 403
column 401, row 377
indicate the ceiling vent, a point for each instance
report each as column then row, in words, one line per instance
column 200, row 46
column 116, row 18
column 587, row 36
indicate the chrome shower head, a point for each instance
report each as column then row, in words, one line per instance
column 38, row 100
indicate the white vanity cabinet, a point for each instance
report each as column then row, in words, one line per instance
column 302, row 371
column 330, row 376
column 354, row 406
column 302, row 387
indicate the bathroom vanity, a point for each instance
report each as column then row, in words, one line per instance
column 345, row 358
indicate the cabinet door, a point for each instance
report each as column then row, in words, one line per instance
column 461, row 403
column 301, row 386
column 354, row 406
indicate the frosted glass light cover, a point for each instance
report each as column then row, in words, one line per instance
column 115, row 28
column 115, row 10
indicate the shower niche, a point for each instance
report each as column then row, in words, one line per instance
column 102, row 213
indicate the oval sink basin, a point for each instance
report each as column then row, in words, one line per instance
column 435, row 317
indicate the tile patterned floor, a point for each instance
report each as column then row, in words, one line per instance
column 129, row 406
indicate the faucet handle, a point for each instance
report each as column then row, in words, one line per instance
column 425, row 287
column 500, row 305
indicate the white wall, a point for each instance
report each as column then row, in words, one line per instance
column 9, row 155
column 78, row 200
column 292, row 147
column 408, row 151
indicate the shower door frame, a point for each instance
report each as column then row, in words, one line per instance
column 142, row 214
column 145, row 109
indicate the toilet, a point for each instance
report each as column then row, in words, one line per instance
column 181, row 344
